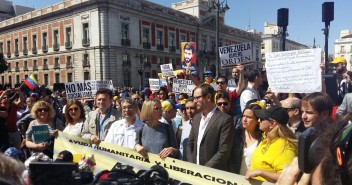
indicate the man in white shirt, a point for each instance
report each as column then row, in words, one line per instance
column 123, row 132
column 251, row 92
column 169, row 113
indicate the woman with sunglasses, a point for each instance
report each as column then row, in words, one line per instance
column 247, row 137
column 74, row 114
column 43, row 114
column 155, row 137
column 278, row 147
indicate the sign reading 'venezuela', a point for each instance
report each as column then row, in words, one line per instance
column 235, row 54
column 86, row 89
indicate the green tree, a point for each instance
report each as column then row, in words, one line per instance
column 3, row 64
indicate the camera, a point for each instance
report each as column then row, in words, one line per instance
column 308, row 150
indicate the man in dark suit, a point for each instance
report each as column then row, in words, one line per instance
column 212, row 132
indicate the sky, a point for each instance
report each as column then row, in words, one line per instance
column 305, row 16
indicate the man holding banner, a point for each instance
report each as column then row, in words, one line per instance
column 98, row 122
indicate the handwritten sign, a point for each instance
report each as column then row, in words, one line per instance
column 154, row 84
column 182, row 86
column 295, row 71
column 86, row 89
column 235, row 54
column 167, row 70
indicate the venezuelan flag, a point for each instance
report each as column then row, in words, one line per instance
column 31, row 82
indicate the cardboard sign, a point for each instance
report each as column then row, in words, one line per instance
column 41, row 133
column 295, row 71
column 87, row 88
column 235, row 54
column 183, row 86
column 154, row 84
column 167, row 70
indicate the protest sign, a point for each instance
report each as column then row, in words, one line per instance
column 167, row 70
column 160, row 75
column 182, row 86
column 235, row 54
column 296, row 71
column 154, row 84
column 188, row 55
column 87, row 88
column 106, row 155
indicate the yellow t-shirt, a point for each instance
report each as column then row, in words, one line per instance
column 274, row 158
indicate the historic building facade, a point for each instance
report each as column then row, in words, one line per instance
column 78, row 40
column 343, row 47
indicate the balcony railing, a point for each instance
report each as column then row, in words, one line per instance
column 146, row 45
column 172, row 49
column 160, row 47
column 25, row 68
column 56, row 66
column 35, row 68
column 56, row 46
column 125, row 42
column 25, row 51
column 85, row 42
column 68, row 45
column 17, row 53
column 34, row 50
column 85, row 63
column 9, row 54
column 17, row 69
column 45, row 48
column 45, row 67
column 69, row 65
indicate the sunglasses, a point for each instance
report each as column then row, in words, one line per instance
column 73, row 109
column 220, row 82
column 136, row 98
column 43, row 110
column 222, row 104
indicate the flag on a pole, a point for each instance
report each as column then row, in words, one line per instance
column 31, row 82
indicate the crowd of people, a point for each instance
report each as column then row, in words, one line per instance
column 247, row 130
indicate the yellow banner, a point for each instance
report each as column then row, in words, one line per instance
column 106, row 155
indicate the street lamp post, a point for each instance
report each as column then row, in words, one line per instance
column 140, row 71
column 220, row 7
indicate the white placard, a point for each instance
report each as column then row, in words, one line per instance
column 235, row 54
column 295, row 71
column 86, row 89
column 182, row 86
column 154, row 84
column 167, row 70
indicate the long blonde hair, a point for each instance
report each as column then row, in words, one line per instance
column 281, row 131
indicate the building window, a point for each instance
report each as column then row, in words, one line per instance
column 17, row 79
column 10, row 80
column 1, row 47
column 16, row 47
column 56, row 36
column 192, row 39
column 204, row 44
column 45, row 39
column 183, row 38
column 57, row 62
column 159, row 37
column 124, row 31
column 145, row 35
column 146, row 78
column 25, row 76
column 342, row 49
column 34, row 44
column 69, row 61
column 46, row 79
column 86, row 76
column 25, row 43
column 68, row 43
column 69, row 77
column 85, row 39
column 9, row 46
column 171, row 39
column 57, row 77
column 45, row 64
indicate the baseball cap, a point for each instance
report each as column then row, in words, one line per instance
column 274, row 112
column 195, row 73
column 34, row 94
column 115, row 98
column 208, row 73
column 338, row 60
column 180, row 75
column 168, row 105
column 15, row 153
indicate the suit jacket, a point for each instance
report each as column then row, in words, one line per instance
column 92, row 123
column 217, row 141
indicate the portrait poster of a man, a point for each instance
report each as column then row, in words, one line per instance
column 188, row 55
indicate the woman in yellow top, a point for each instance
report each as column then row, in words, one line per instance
column 277, row 149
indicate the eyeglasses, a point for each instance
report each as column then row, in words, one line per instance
column 73, row 109
column 128, row 108
column 136, row 98
column 220, row 82
column 222, row 104
column 43, row 110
